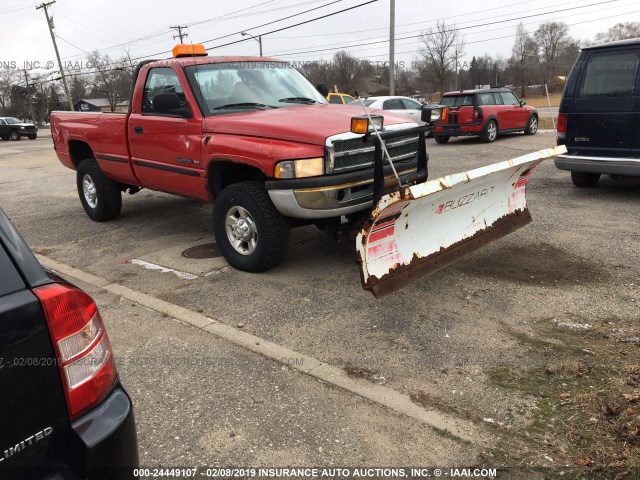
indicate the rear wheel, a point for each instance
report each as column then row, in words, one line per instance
column 585, row 179
column 250, row 232
column 33, row 136
column 5, row 137
column 489, row 132
column 100, row 197
column 442, row 138
column 532, row 126
column 14, row 135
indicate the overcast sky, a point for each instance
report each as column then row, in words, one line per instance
column 143, row 26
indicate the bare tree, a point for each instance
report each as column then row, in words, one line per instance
column 620, row 31
column 111, row 79
column 442, row 47
column 524, row 56
column 8, row 78
column 551, row 38
column 345, row 71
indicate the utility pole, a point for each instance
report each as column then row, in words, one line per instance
column 26, row 77
column 392, row 42
column 179, row 28
column 456, row 70
column 44, row 6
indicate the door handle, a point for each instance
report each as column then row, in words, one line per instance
column 137, row 130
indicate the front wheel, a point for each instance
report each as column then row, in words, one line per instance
column 532, row 126
column 101, row 197
column 14, row 135
column 442, row 138
column 585, row 179
column 489, row 132
column 250, row 232
column 33, row 137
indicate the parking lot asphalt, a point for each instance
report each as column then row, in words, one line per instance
column 434, row 341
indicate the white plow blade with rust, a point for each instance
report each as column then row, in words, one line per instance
column 422, row 228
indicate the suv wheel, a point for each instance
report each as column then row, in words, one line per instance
column 14, row 135
column 101, row 197
column 532, row 125
column 442, row 138
column 585, row 179
column 251, row 234
column 489, row 132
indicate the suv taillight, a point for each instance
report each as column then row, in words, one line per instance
column 562, row 123
column 81, row 343
column 477, row 113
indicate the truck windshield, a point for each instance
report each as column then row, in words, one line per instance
column 12, row 120
column 232, row 87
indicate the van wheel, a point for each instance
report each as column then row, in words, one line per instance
column 532, row 125
column 250, row 232
column 14, row 135
column 585, row 179
column 489, row 132
column 442, row 138
column 100, row 196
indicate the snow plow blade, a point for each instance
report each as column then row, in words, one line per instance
column 422, row 228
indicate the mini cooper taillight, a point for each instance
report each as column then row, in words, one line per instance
column 82, row 347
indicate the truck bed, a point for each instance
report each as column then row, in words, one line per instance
column 107, row 135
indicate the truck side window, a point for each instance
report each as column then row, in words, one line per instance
column 2, row 122
column 160, row 80
column 610, row 74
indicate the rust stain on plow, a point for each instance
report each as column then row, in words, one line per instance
column 419, row 267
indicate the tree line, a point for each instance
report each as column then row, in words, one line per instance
column 540, row 57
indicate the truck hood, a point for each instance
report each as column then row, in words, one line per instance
column 310, row 124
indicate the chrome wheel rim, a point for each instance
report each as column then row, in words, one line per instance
column 241, row 230
column 533, row 125
column 89, row 190
column 493, row 131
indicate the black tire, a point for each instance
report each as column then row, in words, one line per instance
column 585, row 179
column 32, row 137
column 271, row 229
column 532, row 125
column 14, row 135
column 442, row 138
column 108, row 197
column 5, row 137
column 489, row 131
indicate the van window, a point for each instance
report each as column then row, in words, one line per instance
column 610, row 74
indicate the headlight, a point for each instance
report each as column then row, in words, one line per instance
column 362, row 125
column 307, row 167
column 22, row 128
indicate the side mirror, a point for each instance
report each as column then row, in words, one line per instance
column 169, row 103
column 522, row 103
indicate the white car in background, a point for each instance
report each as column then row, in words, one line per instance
column 400, row 105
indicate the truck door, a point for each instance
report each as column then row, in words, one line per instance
column 602, row 120
column 166, row 146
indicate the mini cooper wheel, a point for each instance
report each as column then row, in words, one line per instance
column 532, row 126
column 489, row 132
column 250, row 232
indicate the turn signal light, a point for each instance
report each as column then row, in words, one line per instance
column 362, row 125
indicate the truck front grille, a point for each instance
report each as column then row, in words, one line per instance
column 353, row 153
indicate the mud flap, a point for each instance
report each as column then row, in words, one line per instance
column 420, row 229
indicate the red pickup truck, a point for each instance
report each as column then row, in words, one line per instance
column 250, row 134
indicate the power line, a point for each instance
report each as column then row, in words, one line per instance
column 179, row 29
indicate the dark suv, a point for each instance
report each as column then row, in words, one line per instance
column 599, row 117
column 12, row 128
column 63, row 412
column 485, row 113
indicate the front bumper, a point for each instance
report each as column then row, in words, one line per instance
column 603, row 165
column 330, row 196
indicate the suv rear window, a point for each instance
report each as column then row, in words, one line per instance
column 10, row 280
column 457, row 100
column 610, row 74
